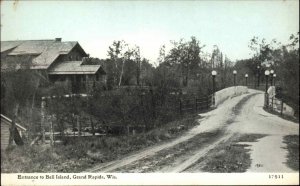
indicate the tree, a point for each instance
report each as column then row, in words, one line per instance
column 20, row 85
column 186, row 57
column 284, row 59
column 137, row 59
column 217, row 58
column 119, row 52
column 147, row 71
column 288, row 71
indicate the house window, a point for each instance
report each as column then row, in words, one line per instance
column 70, row 57
column 97, row 77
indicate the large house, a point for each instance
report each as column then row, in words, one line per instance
column 57, row 60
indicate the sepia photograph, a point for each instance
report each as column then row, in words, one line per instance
column 173, row 92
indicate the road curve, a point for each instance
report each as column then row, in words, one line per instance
column 237, row 115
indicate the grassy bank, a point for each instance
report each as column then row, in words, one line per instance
column 292, row 142
column 283, row 116
column 75, row 155
column 229, row 156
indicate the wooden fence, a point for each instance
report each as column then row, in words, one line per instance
column 195, row 104
column 144, row 108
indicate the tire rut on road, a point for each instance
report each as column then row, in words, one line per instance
column 202, row 152
column 168, row 158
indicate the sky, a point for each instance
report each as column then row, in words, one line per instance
column 150, row 24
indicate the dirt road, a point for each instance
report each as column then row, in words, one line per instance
column 194, row 151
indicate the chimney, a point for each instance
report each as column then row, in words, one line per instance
column 84, row 60
column 58, row 39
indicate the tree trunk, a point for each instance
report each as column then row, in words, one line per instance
column 138, row 73
column 187, row 74
column 13, row 125
column 92, row 126
column 121, row 74
column 32, row 104
column 32, row 107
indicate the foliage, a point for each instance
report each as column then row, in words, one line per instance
column 20, row 86
column 283, row 59
column 76, row 155
column 292, row 143
column 125, row 65
column 184, row 56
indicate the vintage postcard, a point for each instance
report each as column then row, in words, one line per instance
column 150, row 92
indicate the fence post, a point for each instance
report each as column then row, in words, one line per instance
column 272, row 102
column 143, row 113
column 180, row 107
column 207, row 102
column 43, row 104
column 92, row 126
column 51, row 131
column 78, row 125
column 266, row 100
column 153, row 103
column 281, row 109
column 73, row 123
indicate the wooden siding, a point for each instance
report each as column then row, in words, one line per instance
column 5, row 125
column 76, row 54
column 4, row 133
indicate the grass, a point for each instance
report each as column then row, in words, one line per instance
column 250, row 137
column 283, row 116
column 76, row 155
column 292, row 142
column 229, row 156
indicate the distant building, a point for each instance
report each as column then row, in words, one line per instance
column 58, row 60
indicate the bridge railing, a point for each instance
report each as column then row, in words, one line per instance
column 261, row 87
column 195, row 104
column 277, row 105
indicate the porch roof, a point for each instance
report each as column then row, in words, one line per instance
column 73, row 67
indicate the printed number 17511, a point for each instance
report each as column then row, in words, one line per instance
column 275, row 176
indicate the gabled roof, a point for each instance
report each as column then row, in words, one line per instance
column 74, row 67
column 29, row 47
column 7, row 45
column 51, row 53
column 46, row 51
column 9, row 121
